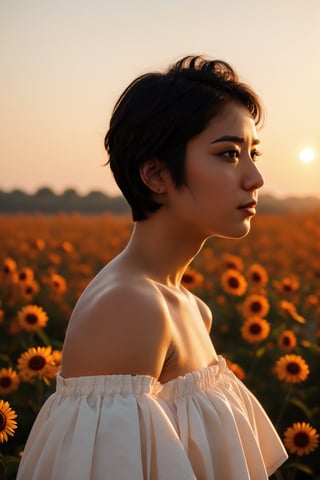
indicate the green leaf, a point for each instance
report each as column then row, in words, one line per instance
column 301, row 467
column 298, row 403
column 5, row 357
column 3, row 470
column 260, row 351
column 11, row 459
column 43, row 337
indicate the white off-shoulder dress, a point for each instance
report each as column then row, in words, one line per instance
column 206, row 425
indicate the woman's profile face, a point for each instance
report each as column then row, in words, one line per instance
column 222, row 176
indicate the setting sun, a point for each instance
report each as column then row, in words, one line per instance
column 307, row 155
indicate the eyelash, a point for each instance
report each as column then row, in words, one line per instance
column 235, row 154
column 254, row 154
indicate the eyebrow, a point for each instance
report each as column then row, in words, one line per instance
column 234, row 138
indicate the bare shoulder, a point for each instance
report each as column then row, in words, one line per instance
column 119, row 326
column 205, row 312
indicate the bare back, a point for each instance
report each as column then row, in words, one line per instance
column 126, row 323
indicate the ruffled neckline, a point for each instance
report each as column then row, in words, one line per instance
column 125, row 384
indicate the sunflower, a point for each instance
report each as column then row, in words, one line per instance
column 233, row 282
column 236, row 369
column 9, row 266
column 57, row 357
column 291, row 368
column 32, row 317
column 9, row 381
column 287, row 340
column 232, row 262
column 66, row 247
column 39, row 244
column 312, row 300
column 255, row 305
column 58, row 283
column 36, row 362
column 25, row 275
column 28, row 289
column 192, row 279
column 301, row 438
column 290, row 309
column 7, row 422
column 8, row 272
column 288, row 284
column 54, row 258
column 255, row 329
column 257, row 275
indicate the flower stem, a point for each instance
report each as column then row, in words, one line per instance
column 292, row 473
column 284, row 405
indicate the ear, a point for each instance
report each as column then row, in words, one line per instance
column 153, row 173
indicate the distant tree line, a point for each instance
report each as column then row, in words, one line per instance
column 44, row 200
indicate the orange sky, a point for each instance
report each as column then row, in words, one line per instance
column 64, row 64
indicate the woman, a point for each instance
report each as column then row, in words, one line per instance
column 142, row 393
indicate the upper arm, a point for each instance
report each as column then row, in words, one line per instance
column 205, row 313
column 124, row 330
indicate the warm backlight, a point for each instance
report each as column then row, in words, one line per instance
column 307, row 155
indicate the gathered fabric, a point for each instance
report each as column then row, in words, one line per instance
column 205, row 425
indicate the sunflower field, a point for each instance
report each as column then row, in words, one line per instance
column 264, row 292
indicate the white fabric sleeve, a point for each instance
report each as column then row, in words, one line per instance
column 104, row 427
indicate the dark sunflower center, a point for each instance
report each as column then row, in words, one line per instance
column 233, row 282
column 36, row 362
column 3, row 421
column 255, row 328
column 301, row 439
column 286, row 341
column 231, row 265
column 22, row 276
column 287, row 287
column 31, row 318
column 293, row 368
column 256, row 307
column 6, row 269
column 256, row 277
column 29, row 290
column 187, row 278
column 5, row 382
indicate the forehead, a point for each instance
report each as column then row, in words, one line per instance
column 235, row 120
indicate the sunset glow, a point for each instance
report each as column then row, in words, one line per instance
column 307, row 155
column 64, row 65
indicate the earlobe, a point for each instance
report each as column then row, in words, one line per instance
column 152, row 174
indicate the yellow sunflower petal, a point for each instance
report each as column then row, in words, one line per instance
column 301, row 438
column 32, row 317
column 255, row 329
column 291, row 368
column 7, row 422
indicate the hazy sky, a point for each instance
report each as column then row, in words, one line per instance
column 65, row 62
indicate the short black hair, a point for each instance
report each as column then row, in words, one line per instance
column 158, row 113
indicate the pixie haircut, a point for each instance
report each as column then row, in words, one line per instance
column 158, row 113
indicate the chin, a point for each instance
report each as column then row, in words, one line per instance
column 236, row 233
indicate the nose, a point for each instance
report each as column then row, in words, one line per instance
column 252, row 179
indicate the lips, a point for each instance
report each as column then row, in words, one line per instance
column 248, row 208
column 251, row 204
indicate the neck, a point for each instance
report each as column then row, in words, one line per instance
column 162, row 250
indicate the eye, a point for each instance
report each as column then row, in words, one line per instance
column 232, row 154
column 255, row 154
